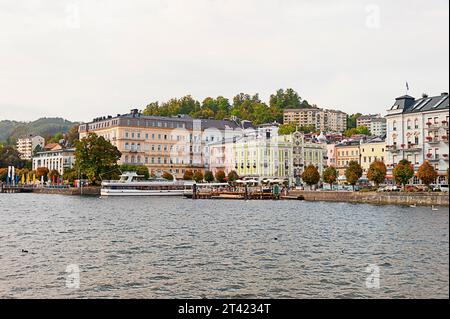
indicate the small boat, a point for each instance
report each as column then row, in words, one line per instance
column 413, row 206
column 132, row 184
column 433, row 208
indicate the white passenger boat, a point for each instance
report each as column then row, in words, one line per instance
column 132, row 184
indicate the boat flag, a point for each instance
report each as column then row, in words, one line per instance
column 23, row 179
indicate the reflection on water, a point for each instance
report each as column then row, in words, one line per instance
column 179, row 248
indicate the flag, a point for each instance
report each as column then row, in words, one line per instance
column 407, row 86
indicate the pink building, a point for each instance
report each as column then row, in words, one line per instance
column 331, row 155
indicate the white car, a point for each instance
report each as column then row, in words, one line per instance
column 443, row 188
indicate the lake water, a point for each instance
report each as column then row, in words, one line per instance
column 180, row 248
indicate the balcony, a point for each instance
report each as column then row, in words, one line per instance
column 433, row 126
column 433, row 140
column 444, row 139
column 412, row 148
column 392, row 148
column 433, row 158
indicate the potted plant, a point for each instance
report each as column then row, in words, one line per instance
column 429, row 123
column 429, row 138
column 429, row 155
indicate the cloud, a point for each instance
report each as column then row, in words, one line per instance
column 83, row 58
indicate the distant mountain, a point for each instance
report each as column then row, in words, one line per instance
column 12, row 130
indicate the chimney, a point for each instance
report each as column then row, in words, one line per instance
column 444, row 93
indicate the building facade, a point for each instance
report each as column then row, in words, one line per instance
column 269, row 155
column 54, row 158
column 27, row 145
column 322, row 119
column 371, row 151
column 374, row 122
column 345, row 153
column 417, row 130
column 163, row 144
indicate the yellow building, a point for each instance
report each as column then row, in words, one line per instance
column 372, row 151
column 163, row 144
column 345, row 153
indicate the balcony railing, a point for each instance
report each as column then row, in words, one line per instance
column 434, row 126
column 413, row 148
column 433, row 158
column 392, row 148
column 433, row 140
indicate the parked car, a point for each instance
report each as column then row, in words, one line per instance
column 389, row 188
column 440, row 188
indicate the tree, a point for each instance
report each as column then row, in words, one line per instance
column 220, row 176
column 209, row 177
column 70, row 175
column 377, row 173
column 96, row 158
column 72, row 136
column 42, row 172
column 360, row 130
column 427, row 173
column 198, row 177
column 311, row 175
column 351, row 120
column 353, row 173
column 56, row 138
column 233, row 176
column 168, row 176
column 287, row 129
column 188, row 175
column 330, row 175
column 403, row 172
column 3, row 174
column 9, row 156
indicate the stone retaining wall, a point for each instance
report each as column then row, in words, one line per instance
column 88, row 191
column 422, row 199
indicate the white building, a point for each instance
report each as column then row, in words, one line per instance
column 27, row 145
column 374, row 122
column 55, row 158
column 417, row 130
column 321, row 119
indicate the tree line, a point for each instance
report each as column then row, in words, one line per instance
column 244, row 106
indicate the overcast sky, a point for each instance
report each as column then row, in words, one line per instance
column 80, row 59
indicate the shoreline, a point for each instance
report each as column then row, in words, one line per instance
column 376, row 198
column 392, row 198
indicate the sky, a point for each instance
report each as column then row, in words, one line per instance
column 80, row 59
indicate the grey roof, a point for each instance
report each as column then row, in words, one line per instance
column 426, row 104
